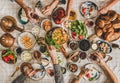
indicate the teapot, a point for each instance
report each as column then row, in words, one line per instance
column 7, row 40
column 9, row 24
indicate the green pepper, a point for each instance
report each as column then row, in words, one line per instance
column 8, row 52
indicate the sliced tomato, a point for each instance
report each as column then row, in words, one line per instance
column 11, row 56
column 84, row 10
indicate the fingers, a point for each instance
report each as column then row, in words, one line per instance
column 62, row 20
column 47, row 11
column 86, row 70
column 99, row 55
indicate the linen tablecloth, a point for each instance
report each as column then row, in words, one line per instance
column 11, row 8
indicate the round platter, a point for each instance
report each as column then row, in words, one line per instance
column 56, row 36
column 104, row 47
column 26, row 40
column 88, row 9
column 93, row 74
column 40, row 74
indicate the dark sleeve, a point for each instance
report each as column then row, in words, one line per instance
column 12, row 0
column 20, row 79
column 62, row 1
column 58, row 74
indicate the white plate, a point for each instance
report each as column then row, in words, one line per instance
column 93, row 73
column 39, row 75
column 44, row 21
column 88, row 5
column 30, row 35
column 36, row 30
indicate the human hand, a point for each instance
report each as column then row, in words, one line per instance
column 83, row 72
column 32, row 16
column 47, row 10
column 63, row 19
column 103, row 10
column 97, row 57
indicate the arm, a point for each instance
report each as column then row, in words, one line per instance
column 69, row 5
column 32, row 16
column 109, row 72
column 80, row 75
column 106, row 68
column 70, row 2
column 22, row 4
column 20, row 79
column 108, row 6
column 57, row 68
column 49, row 9
column 58, row 74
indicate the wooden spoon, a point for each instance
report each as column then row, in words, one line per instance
column 17, row 68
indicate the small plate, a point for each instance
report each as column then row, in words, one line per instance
column 26, row 56
column 45, row 62
column 36, row 30
column 39, row 75
column 50, row 24
column 27, row 42
column 63, row 69
column 50, row 71
column 104, row 47
column 72, row 66
column 88, row 9
column 93, row 74
column 8, row 56
column 22, row 16
column 58, row 14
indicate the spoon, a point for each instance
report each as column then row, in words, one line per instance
column 37, row 56
column 17, row 68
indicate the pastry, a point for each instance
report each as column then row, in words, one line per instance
column 99, row 32
column 112, row 15
column 101, row 23
column 108, row 26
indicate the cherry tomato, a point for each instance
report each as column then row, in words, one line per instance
column 88, row 75
column 80, row 37
column 84, row 10
column 6, row 59
column 73, row 33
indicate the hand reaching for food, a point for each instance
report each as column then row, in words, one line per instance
column 103, row 10
column 47, row 10
column 80, row 75
column 64, row 19
column 83, row 72
column 32, row 16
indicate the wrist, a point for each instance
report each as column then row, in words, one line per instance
column 54, row 61
column 21, row 3
column 54, row 4
column 80, row 76
column 102, row 63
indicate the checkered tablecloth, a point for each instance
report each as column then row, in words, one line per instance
column 11, row 8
